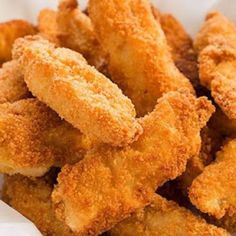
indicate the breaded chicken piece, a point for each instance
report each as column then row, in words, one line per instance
column 88, row 100
column 139, row 58
column 9, row 32
column 75, row 31
column 165, row 218
column 47, row 25
column 216, row 43
column 32, row 198
column 12, row 84
column 181, row 46
column 109, row 184
column 213, row 191
column 33, row 138
column 211, row 143
column 216, row 27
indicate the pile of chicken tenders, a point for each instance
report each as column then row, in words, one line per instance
column 114, row 121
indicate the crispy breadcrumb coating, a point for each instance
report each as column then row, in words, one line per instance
column 80, row 94
column 165, row 218
column 32, row 198
column 9, row 32
column 216, row 43
column 33, row 138
column 216, row 27
column 213, row 191
column 109, row 184
column 12, row 84
column 75, row 31
column 47, row 25
column 139, row 58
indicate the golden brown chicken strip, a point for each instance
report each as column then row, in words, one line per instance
column 165, row 218
column 216, row 43
column 9, row 32
column 47, row 25
column 139, row 57
column 181, row 46
column 75, row 31
column 32, row 198
column 12, row 84
column 87, row 99
column 211, row 143
column 213, row 191
column 109, row 184
column 33, row 138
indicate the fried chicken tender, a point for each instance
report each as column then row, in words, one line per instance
column 9, row 32
column 211, row 143
column 139, row 58
column 88, row 100
column 47, row 25
column 32, row 198
column 165, row 218
column 181, row 46
column 75, row 31
column 213, row 191
column 12, row 84
column 216, row 43
column 109, row 184
column 33, row 138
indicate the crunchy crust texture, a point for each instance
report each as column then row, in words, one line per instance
column 109, row 184
column 217, row 69
column 32, row 198
column 213, row 191
column 80, row 94
column 139, row 58
column 216, row 27
column 33, row 138
column 12, row 84
column 75, row 31
column 165, row 218
column 9, row 32
column 216, row 44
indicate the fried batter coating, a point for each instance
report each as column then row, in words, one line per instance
column 47, row 25
column 87, row 99
column 181, row 46
column 215, row 28
column 217, row 60
column 9, row 32
column 109, row 184
column 12, row 84
column 211, row 143
column 76, row 32
column 165, row 218
column 33, row 138
column 32, row 198
column 139, row 58
column 213, row 191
